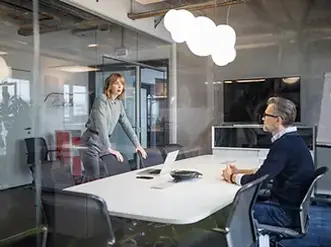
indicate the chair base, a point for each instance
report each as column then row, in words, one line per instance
column 29, row 233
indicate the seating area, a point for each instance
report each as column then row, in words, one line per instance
column 97, row 219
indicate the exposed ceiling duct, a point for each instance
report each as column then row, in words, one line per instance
column 54, row 16
column 144, row 2
column 191, row 5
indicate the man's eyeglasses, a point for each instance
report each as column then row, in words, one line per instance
column 269, row 115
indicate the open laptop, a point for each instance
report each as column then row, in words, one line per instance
column 166, row 167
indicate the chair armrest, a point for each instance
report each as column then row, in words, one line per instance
column 278, row 230
column 221, row 230
column 264, row 193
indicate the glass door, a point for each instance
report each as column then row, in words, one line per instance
column 145, row 102
column 154, row 107
column 119, row 139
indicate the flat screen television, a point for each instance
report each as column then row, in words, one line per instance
column 245, row 99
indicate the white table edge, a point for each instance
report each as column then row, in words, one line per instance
column 192, row 220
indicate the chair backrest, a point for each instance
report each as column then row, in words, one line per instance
column 17, row 211
column 240, row 223
column 54, row 175
column 189, row 153
column 154, row 157
column 31, row 149
column 113, row 166
column 305, row 204
column 77, row 215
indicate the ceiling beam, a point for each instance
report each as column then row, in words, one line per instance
column 191, row 7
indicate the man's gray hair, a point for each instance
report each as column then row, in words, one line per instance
column 285, row 109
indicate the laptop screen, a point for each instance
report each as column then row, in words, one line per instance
column 170, row 159
column 166, row 167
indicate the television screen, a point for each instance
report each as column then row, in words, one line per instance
column 254, row 137
column 245, row 100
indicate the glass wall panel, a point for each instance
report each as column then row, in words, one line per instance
column 172, row 96
column 43, row 115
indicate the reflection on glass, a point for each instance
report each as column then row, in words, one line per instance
column 245, row 137
column 245, row 100
column 155, row 117
column 80, row 105
column 14, row 108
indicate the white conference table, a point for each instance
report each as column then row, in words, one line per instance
column 176, row 203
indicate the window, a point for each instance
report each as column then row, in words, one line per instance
column 66, row 96
column 80, row 103
column 19, row 88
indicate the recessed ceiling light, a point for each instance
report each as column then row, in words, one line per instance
column 22, row 42
column 92, row 45
column 291, row 80
column 251, row 80
column 76, row 69
column 3, row 53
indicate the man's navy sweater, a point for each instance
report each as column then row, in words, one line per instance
column 290, row 165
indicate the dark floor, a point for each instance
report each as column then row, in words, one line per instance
column 319, row 232
column 17, row 213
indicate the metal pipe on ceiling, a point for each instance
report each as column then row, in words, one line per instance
column 192, row 7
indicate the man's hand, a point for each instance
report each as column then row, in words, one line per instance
column 234, row 168
column 141, row 151
column 116, row 153
column 226, row 173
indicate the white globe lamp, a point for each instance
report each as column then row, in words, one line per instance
column 170, row 20
column 200, row 40
column 224, row 36
column 181, row 31
column 5, row 71
column 223, row 56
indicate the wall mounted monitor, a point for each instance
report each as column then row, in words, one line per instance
column 245, row 99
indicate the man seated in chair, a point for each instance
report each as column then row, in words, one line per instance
column 288, row 163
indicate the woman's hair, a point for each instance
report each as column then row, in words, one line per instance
column 109, row 81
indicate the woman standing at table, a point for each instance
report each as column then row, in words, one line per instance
column 106, row 112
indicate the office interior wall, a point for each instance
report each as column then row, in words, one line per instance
column 194, row 99
column 62, row 96
column 278, row 46
column 284, row 60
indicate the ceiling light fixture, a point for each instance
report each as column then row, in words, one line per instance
column 5, row 71
column 202, row 36
column 76, row 69
column 291, row 80
column 251, row 80
column 22, row 42
column 92, row 45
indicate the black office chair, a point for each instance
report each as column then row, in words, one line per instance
column 77, row 217
column 154, row 157
column 44, row 152
column 33, row 232
column 240, row 228
column 18, row 221
column 54, row 174
column 56, row 177
column 277, row 234
column 171, row 147
column 188, row 153
column 113, row 167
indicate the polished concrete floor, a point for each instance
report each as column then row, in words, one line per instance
column 18, row 212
